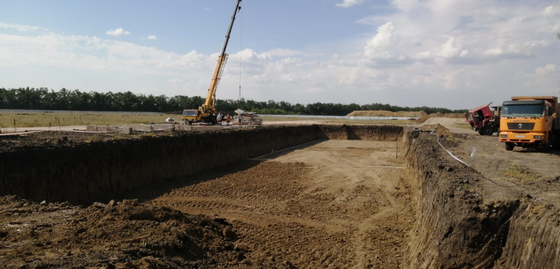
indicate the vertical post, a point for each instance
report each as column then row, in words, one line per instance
column 397, row 150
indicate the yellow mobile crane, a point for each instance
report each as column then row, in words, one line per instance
column 207, row 112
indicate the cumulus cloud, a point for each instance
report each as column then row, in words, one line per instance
column 118, row 32
column 349, row 3
column 152, row 37
column 452, row 48
column 551, row 11
column 384, row 46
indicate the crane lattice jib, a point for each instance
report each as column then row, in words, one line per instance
column 222, row 59
column 218, row 78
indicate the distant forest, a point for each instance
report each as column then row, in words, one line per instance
column 43, row 98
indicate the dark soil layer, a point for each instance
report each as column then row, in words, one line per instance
column 110, row 166
column 118, row 235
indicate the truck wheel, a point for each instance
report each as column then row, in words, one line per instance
column 509, row 146
column 481, row 132
column 545, row 147
column 488, row 130
column 555, row 141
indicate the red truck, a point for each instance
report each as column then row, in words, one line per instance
column 484, row 119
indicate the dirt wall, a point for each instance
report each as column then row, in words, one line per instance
column 454, row 228
column 360, row 132
column 534, row 238
column 97, row 171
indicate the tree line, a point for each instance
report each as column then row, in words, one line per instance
column 43, row 98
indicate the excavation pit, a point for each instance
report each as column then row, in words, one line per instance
column 285, row 197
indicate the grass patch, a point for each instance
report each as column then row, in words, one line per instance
column 18, row 120
column 14, row 120
column 517, row 171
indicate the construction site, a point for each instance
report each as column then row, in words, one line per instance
column 300, row 196
column 214, row 191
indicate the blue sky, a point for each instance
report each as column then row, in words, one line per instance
column 443, row 53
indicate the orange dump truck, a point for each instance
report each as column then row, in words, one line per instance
column 530, row 122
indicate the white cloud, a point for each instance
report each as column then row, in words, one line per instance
column 284, row 53
column 451, row 48
column 424, row 55
column 22, row 28
column 405, row 5
column 551, row 11
column 547, row 69
column 152, row 37
column 349, row 3
column 118, row 32
column 384, row 47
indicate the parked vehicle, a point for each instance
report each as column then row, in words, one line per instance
column 531, row 122
column 247, row 118
column 484, row 119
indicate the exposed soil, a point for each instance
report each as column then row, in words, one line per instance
column 336, row 203
column 52, row 139
column 119, row 235
column 522, row 172
column 527, row 173
column 330, row 204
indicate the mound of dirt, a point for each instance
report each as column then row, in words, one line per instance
column 425, row 117
column 384, row 113
column 127, row 234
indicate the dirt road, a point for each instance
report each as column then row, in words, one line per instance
column 335, row 204
column 520, row 173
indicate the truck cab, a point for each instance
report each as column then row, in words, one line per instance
column 484, row 119
column 530, row 122
column 189, row 116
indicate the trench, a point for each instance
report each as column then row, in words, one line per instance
column 454, row 227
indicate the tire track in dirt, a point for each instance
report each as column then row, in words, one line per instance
column 341, row 204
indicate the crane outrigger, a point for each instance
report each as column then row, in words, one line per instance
column 207, row 112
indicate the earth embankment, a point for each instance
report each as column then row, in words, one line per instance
column 100, row 170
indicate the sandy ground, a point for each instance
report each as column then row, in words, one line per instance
column 334, row 204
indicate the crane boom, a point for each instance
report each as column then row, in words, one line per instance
column 207, row 111
column 209, row 106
